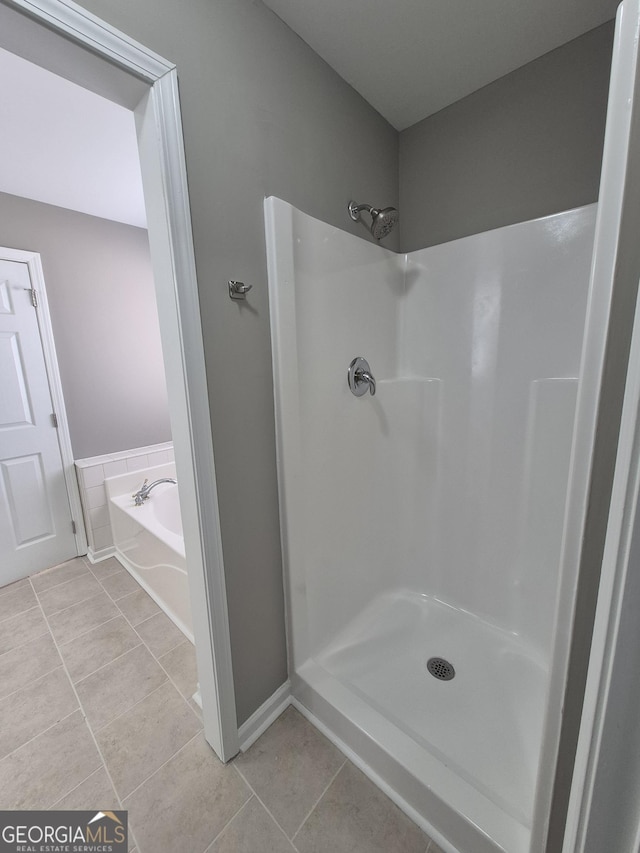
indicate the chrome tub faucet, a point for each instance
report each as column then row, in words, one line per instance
column 143, row 492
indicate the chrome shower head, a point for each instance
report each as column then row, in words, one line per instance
column 382, row 221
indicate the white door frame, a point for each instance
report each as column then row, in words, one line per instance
column 164, row 177
column 619, row 172
column 36, row 276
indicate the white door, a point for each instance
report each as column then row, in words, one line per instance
column 36, row 529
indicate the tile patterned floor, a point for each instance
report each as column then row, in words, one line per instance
column 96, row 710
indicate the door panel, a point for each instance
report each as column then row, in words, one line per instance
column 14, row 408
column 27, row 499
column 35, row 518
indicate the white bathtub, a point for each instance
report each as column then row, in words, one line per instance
column 149, row 542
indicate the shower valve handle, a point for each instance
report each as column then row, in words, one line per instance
column 360, row 378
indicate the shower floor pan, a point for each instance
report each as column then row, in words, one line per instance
column 473, row 741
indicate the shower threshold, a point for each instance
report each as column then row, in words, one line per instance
column 469, row 745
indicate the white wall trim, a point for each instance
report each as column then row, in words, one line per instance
column 166, row 196
column 266, row 714
column 36, row 274
column 71, row 20
column 592, row 365
column 101, row 554
column 615, row 567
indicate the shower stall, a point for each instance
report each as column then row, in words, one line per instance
column 426, row 521
column 435, row 422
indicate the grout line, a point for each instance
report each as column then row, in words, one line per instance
column 93, row 773
column 313, row 807
column 179, row 643
column 75, row 604
column 252, row 796
column 164, row 763
column 31, row 639
column 153, row 616
column 26, row 643
column 261, row 801
column 21, row 612
column 58, row 585
column 48, row 728
column 81, row 707
column 130, row 708
column 6, row 588
column 229, row 822
column 166, row 672
column 90, row 728
column 61, row 583
column 135, row 592
column 108, row 578
column 95, row 628
column 32, row 682
column 132, row 649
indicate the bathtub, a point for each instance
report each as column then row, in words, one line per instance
column 148, row 540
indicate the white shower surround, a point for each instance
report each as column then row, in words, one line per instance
column 428, row 520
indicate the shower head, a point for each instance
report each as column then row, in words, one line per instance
column 382, row 221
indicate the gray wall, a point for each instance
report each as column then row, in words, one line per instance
column 262, row 114
column 105, row 323
column 528, row 145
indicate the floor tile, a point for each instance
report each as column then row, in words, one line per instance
column 98, row 647
column 138, row 742
column 138, row 606
column 105, row 568
column 120, row 584
column 354, row 816
column 116, row 687
column 34, row 776
column 28, row 662
column 20, row 598
column 82, row 617
column 22, row 628
column 433, row 848
column 164, row 812
column 67, row 594
column 251, row 830
column 13, row 587
column 28, row 712
column 59, row 574
column 180, row 663
column 289, row 767
column 95, row 792
column 160, row 634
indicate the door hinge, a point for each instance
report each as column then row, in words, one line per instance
column 34, row 296
column 54, row 418
column 73, row 527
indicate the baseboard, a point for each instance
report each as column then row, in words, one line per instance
column 261, row 719
column 101, row 554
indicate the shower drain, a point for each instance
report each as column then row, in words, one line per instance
column 441, row 668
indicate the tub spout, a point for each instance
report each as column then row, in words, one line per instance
column 143, row 492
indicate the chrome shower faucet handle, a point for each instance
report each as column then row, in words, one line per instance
column 360, row 378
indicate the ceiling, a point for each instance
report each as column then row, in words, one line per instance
column 67, row 146
column 408, row 58
column 411, row 58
